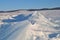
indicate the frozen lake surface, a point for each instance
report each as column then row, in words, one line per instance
column 30, row 25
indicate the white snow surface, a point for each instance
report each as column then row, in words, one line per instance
column 36, row 27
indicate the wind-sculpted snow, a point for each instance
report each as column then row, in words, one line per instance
column 18, row 18
column 31, row 26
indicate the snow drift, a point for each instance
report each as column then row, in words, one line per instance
column 31, row 26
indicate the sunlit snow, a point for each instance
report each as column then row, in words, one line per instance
column 31, row 26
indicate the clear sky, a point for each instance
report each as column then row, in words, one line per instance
column 28, row 4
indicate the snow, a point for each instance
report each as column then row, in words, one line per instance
column 35, row 27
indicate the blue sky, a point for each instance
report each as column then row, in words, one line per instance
column 28, row 4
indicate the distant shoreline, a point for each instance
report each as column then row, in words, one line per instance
column 56, row 8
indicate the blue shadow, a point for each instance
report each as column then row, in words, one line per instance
column 18, row 18
column 53, row 35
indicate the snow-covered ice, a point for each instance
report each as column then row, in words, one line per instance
column 32, row 26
